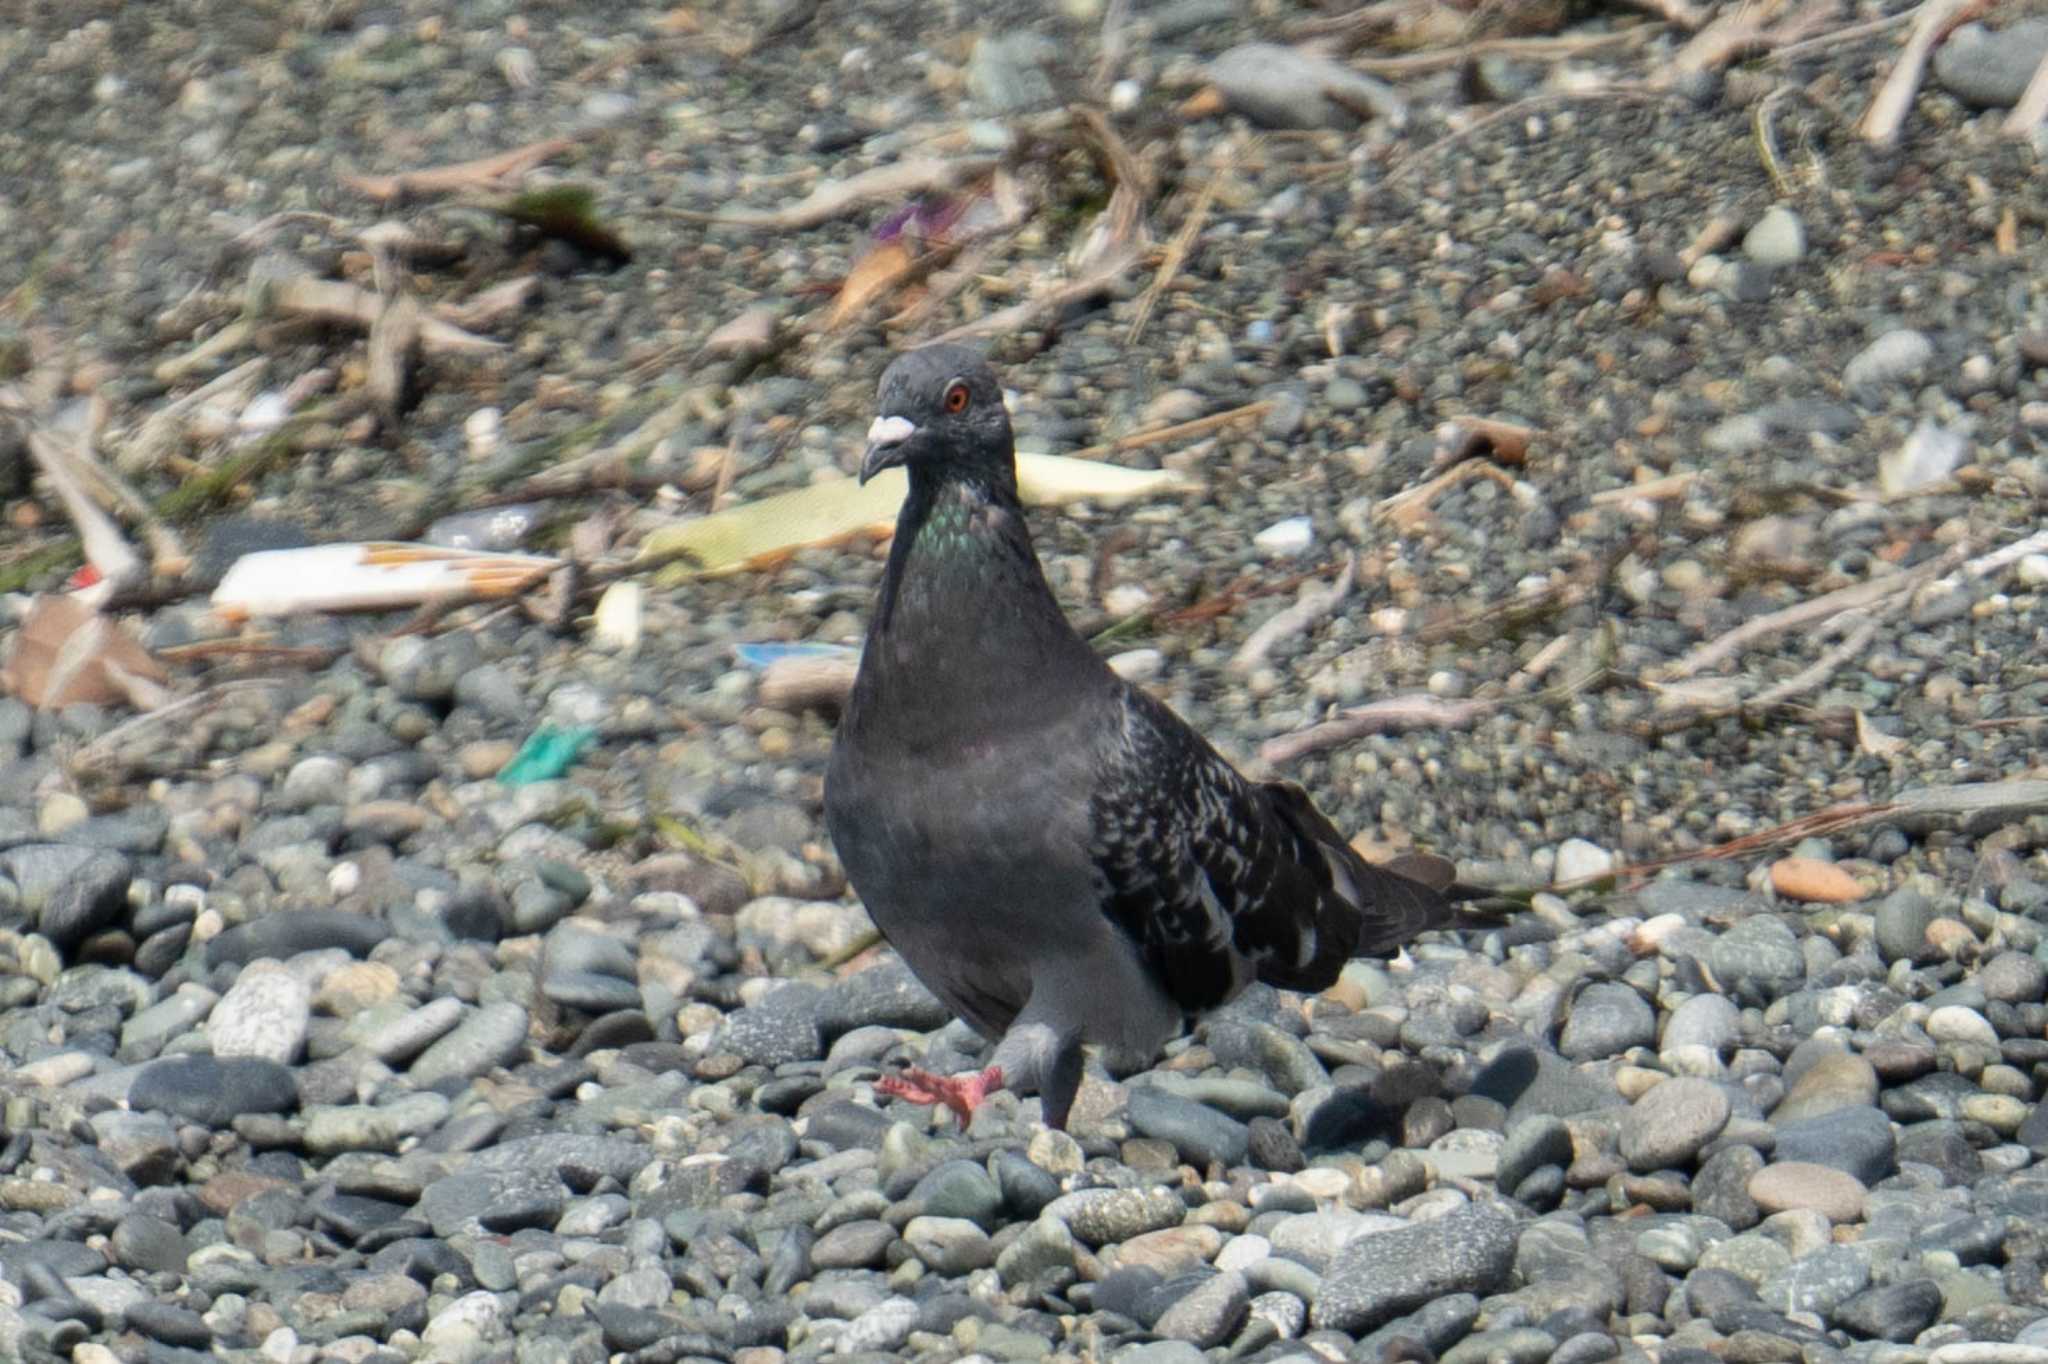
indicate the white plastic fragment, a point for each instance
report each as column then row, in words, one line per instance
column 370, row 576
column 1928, row 456
column 1286, row 539
column 617, row 623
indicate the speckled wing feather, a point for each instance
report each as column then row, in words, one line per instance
column 1219, row 879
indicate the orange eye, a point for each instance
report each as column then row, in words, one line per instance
column 956, row 396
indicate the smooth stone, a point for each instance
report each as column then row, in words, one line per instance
column 951, row 1246
column 1834, row 1080
column 1818, row 1281
column 1208, row 1315
column 1794, row 1184
column 1858, row 1141
column 213, row 1091
column 1894, row 1311
column 1376, row 1278
column 1757, row 960
column 1671, row 1122
column 265, row 1014
column 287, row 933
column 1895, row 357
column 1606, row 1020
column 1703, row 1020
column 1200, row 1134
column 1284, row 87
column 1532, row 1143
column 1989, row 68
column 960, row 1189
column 492, row 1035
column 1776, row 239
column 1101, row 1216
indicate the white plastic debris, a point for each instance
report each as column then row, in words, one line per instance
column 1929, row 455
column 371, row 576
column 1286, row 539
column 617, row 625
column 1126, row 599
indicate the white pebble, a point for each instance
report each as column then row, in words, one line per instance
column 264, row 414
column 2033, row 571
column 1705, row 272
column 1138, row 665
column 1954, row 1023
column 1285, row 539
column 1242, row 1252
column 1777, row 238
column 1896, row 356
column 1929, row 455
column 616, row 625
column 481, row 431
column 1578, row 859
column 1124, row 96
column 1126, row 599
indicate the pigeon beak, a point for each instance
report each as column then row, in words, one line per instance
column 887, row 437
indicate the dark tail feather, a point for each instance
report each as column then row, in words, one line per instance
column 1388, row 905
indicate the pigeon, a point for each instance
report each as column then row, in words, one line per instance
column 1054, row 853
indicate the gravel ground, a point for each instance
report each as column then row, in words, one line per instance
column 321, row 1043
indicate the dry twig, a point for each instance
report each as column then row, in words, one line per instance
column 1409, row 508
column 488, row 174
column 891, row 183
column 1177, row 252
column 106, row 549
column 2033, row 104
column 1513, row 49
column 327, row 300
column 1187, row 430
column 1977, row 806
column 1888, row 108
column 1019, row 315
column 1826, row 607
column 1417, row 710
column 1293, row 620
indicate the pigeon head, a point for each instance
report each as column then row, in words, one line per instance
column 941, row 416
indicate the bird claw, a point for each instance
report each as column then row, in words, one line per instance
column 961, row 1093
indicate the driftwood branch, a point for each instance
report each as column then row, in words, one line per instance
column 1820, row 608
column 1293, row 620
column 1391, row 716
column 1888, row 108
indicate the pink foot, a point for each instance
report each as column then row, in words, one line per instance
column 961, row 1093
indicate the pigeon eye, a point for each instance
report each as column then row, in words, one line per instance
column 956, row 396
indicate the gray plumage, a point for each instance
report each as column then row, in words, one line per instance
column 1054, row 853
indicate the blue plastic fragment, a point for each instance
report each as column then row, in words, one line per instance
column 761, row 655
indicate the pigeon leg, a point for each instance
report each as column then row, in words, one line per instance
column 961, row 1093
column 1061, row 1083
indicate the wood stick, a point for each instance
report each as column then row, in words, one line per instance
column 1894, row 98
column 483, row 173
column 1819, row 608
column 1417, row 710
column 1159, row 435
column 1177, row 251
column 2033, row 106
column 1293, row 620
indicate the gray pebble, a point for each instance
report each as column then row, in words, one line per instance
column 1989, row 68
column 1895, row 357
column 1378, row 1277
column 1671, row 1122
column 1606, row 1020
